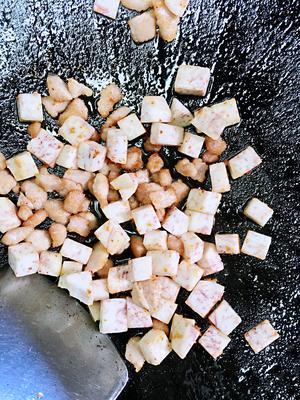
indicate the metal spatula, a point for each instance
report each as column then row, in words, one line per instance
column 50, row 347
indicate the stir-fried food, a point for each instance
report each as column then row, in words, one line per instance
column 124, row 171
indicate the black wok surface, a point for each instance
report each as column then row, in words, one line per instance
column 252, row 48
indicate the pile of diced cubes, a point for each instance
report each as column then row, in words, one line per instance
column 162, row 14
column 132, row 184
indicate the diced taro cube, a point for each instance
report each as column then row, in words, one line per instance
column 228, row 111
column 214, row 341
column 118, row 211
column 211, row 261
column 22, row 166
column 145, row 219
column 76, row 130
column 30, row 107
column 45, row 147
column 258, row 211
column 192, row 145
column 203, row 201
column 164, row 310
column 244, row 162
column 219, row 178
column 118, row 279
column 155, row 346
column 99, row 289
column 117, row 144
column 176, row 222
column 261, row 336
column 137, row 317
column 8, row 215
column 155, row 109
column 141, row 268
column 227, row 243
column 256, row 245
column 113, row 316
column 50, row 263
column 193, row 247
column 76, row 251
column 181, row 116
column 183, row 335
column 133, row 353
column 109, row 8
column 131, row 126
column 91, row 156
column 200, row 222
column 167, row 135
column 23, row 259
column 156, row 240
column 225, row 318
column 164, row 262
column 113, row 237
column 188, row 275
column 79, row 286
column 204, row 296
column 192, row 80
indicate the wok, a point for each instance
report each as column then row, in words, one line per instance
column 252, row 49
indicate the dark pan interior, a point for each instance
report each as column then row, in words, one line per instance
column 253, row 49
